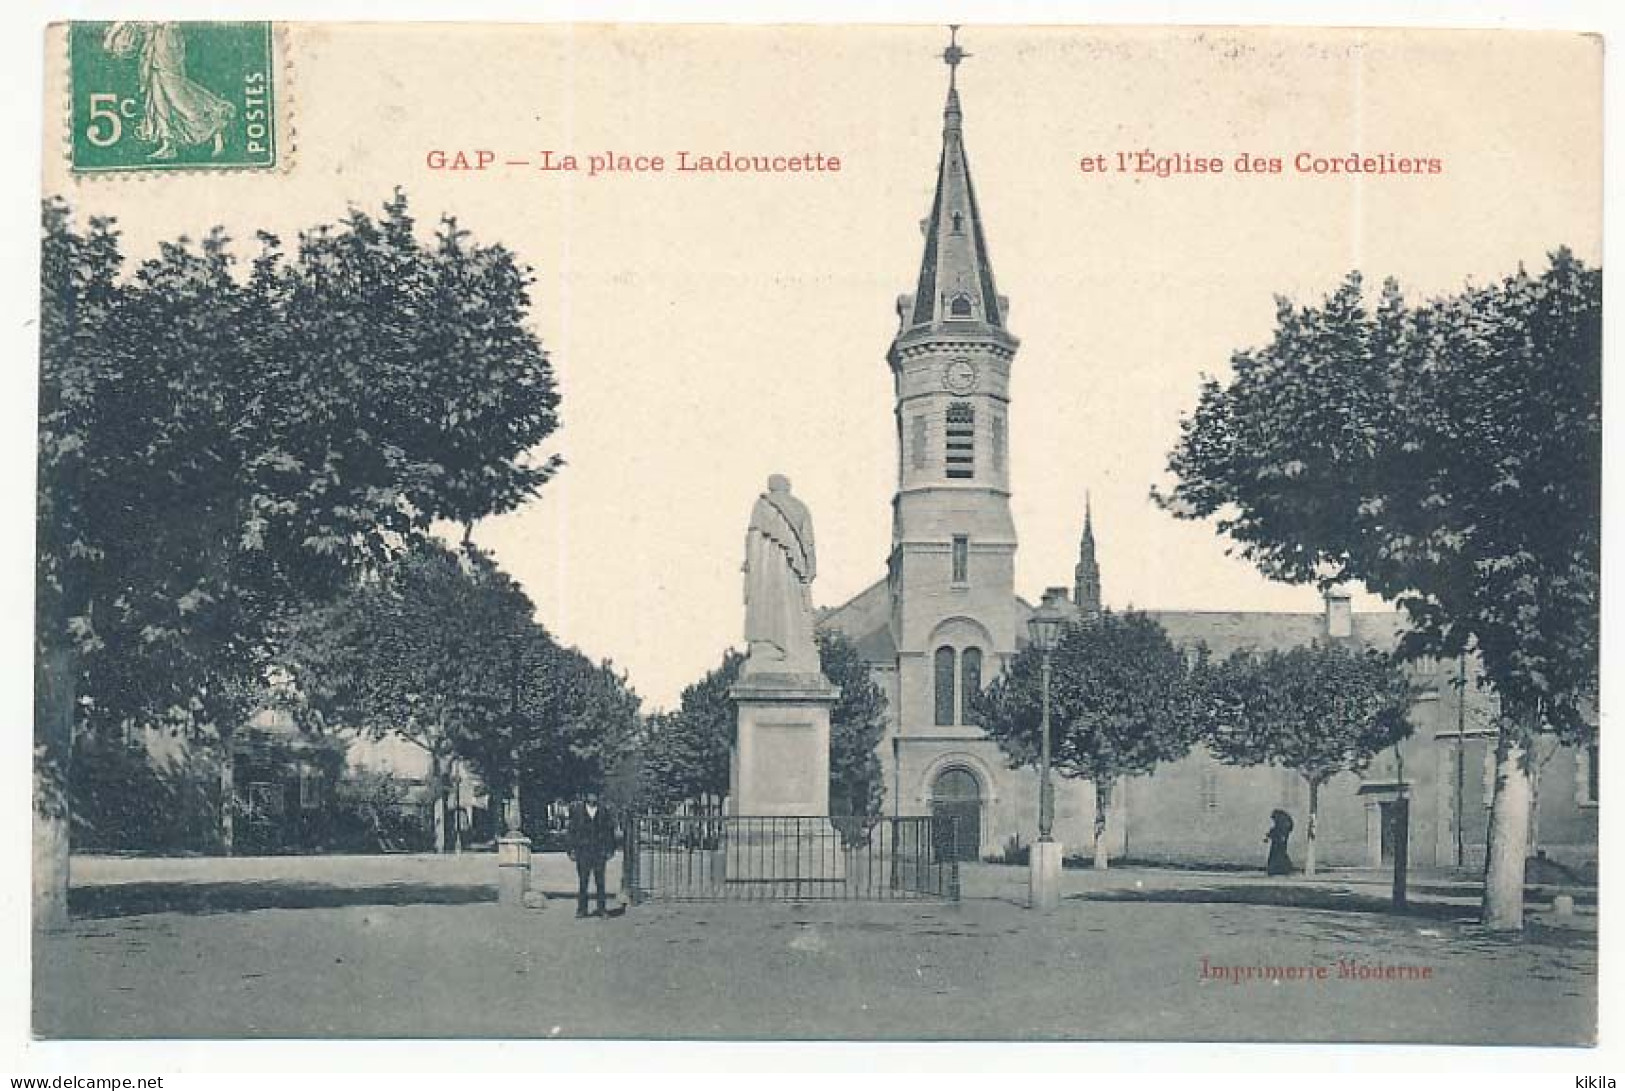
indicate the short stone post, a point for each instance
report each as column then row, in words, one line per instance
column 513, row 870
column 1044, row 875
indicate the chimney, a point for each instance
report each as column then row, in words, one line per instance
column 1060, row 597
column 1339, row 614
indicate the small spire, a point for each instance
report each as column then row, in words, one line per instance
column 1086, row 576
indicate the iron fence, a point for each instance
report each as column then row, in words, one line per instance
column 716, row 857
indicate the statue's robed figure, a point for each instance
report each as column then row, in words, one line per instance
column 779, row 761
column 780, row 563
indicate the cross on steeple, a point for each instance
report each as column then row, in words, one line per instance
column 953, row 54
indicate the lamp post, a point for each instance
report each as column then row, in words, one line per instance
column 1044, row 628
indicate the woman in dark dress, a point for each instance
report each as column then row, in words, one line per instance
column 1280, row 829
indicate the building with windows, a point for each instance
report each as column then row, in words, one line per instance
column 945, row 618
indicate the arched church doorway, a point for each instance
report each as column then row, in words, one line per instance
column 956, row 795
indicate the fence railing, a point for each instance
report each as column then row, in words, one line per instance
column 715, row 857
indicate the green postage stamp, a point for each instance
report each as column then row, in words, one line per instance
column 172, row 96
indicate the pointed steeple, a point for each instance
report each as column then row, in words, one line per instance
column 1086, row 576
column 956, row 278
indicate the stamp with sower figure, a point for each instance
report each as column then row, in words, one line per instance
column 173, row 96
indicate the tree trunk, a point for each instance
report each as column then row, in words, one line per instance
column 1311, row 859
column 1509, row 822
column 437, row 800
column 228, row 794
column 1103, row 808
column 56, row 671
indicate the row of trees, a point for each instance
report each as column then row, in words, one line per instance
column 440, row 648
column 1124, row 699
column 223, row 453
column 1447, row 455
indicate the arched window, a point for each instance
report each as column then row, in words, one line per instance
column 961, row 440
column 970, row 678
column 960, row 307
column 945, row 686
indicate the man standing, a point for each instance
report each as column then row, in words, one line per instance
column 591, row 844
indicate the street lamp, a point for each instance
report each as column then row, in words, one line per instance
column 1045, row 627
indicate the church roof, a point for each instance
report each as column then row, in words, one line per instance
column 865, row 619
column 1227, row 631
column 956, row 275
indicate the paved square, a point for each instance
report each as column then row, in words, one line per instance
column 417, row 946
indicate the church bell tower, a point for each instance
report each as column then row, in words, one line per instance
column 951, row 570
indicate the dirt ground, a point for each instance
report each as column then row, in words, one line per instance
column 417, row 946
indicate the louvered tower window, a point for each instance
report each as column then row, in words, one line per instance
column 961, row 450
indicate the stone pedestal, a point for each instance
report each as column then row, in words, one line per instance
column 1044, row 875
column 780, row 759
column 780, row 773
column 513, row 870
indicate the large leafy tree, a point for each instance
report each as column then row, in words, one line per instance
column 1122, row 701
column 1449, row 456
column 218, row 453
column 1319, row 710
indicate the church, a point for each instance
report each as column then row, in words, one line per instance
column 945, row 619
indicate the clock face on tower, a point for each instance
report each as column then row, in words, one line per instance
column 959, row 376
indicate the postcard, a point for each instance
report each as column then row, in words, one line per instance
column 818, row 532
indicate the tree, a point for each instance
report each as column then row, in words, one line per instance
column 856, row 724
column 579, row 720
column 688, row 749
column 1319, row 711
column 1449, row 456
column 218, row 455
column 1121, row 702
column 430, row 651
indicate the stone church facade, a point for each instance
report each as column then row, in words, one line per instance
column 945, row 619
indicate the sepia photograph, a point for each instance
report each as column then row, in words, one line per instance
column 880, row 533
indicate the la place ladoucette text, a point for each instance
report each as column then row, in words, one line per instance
column 612, row 162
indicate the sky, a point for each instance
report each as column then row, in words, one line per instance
column 708, row 330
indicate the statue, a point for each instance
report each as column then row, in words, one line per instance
column 780, row 563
